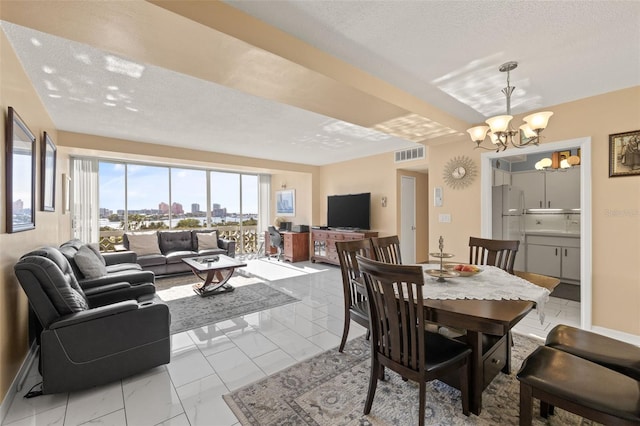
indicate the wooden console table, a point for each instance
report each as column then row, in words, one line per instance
column 324, row 243
column 296, row 245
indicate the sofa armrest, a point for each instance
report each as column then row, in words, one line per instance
column 115, row 257
column 228, row 245
column 103, row 288
column 132, row 277
column 95, row 313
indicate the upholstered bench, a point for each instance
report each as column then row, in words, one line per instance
column 577, row 385
column 614, row 354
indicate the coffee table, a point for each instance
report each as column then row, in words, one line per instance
column 218, row 269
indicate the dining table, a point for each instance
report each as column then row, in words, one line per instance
column 487, row 323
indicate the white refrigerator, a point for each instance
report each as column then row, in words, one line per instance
column 508, row 218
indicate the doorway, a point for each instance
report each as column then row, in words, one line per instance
column 408, row 219
column 585, row 209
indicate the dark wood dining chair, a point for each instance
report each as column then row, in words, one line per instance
column 499, row 253
column 355, row 302
column 387, row 249
column 399, row 340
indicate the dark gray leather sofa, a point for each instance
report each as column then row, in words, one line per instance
column 121, row 268
column 173, row 246
column 88, row 341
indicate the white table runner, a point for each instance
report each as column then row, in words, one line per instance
column 490, row 284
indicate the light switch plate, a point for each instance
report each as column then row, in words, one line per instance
column 437, row 196
column 444, row 218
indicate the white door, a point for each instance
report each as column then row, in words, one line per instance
column 408, row 219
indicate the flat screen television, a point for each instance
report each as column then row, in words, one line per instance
column 350, row 211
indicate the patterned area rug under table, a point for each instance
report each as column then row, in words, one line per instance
column 330, row 389
column 189, row 311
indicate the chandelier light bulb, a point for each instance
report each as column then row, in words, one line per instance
column 539, row 120
column 528, row 133
column 494, row 139
column 500, row 123
column 478, row 133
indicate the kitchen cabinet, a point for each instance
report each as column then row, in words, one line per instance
column 532, row 184
column 549, row 190
column 501, row 177
column 554, row 256
column 562, row 189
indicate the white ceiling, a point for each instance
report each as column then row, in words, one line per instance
column 446, row 53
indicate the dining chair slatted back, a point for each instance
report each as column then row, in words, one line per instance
column 387, row 249
column 399, row 339
column 355, row 301
column 499, row 253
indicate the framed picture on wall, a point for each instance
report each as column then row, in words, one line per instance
column 48, row 174
column 21, row 174
column 624, row 154
column 286, row 202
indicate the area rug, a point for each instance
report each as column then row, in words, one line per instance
column 330, row 389
column 189, row 311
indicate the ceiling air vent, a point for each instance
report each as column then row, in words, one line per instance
column 409, row 154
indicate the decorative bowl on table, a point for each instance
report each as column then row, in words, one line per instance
column 441, row 274
column 463, row 269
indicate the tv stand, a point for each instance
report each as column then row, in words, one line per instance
column 324, row 242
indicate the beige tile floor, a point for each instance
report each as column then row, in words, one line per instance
column 211, row 361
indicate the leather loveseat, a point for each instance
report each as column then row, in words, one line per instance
column 162, row 251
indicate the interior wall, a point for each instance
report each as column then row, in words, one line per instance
column 16, row 91
column 375, row 174
column 301, row 183
column 616, row 203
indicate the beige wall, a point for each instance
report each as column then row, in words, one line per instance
column 380, row 176
column 615, row 201
column 16, row 91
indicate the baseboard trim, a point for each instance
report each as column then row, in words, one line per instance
column 18, row 381
column 619, row 335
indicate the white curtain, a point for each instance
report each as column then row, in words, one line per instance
column 84, row 200
column 264, row 204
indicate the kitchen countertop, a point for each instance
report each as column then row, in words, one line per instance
column 554, row 234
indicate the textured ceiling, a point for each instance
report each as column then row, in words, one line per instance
column 444, row 53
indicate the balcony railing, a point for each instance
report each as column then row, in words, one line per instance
column 247, row 239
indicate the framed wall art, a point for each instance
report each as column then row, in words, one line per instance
column 48, row 174
column 624, row 154
column 20, row 179
column 286, row 202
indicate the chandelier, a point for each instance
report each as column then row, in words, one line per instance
column 499, row 127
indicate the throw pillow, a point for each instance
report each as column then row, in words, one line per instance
column 143, row 244
column 89, row 264
column 207, row 241
column 95, row 247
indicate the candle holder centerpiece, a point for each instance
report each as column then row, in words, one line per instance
column 441, row 273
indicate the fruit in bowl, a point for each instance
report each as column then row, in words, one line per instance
column 465, row 270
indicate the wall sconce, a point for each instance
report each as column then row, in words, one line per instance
column 283, row 186
column 383, row 201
